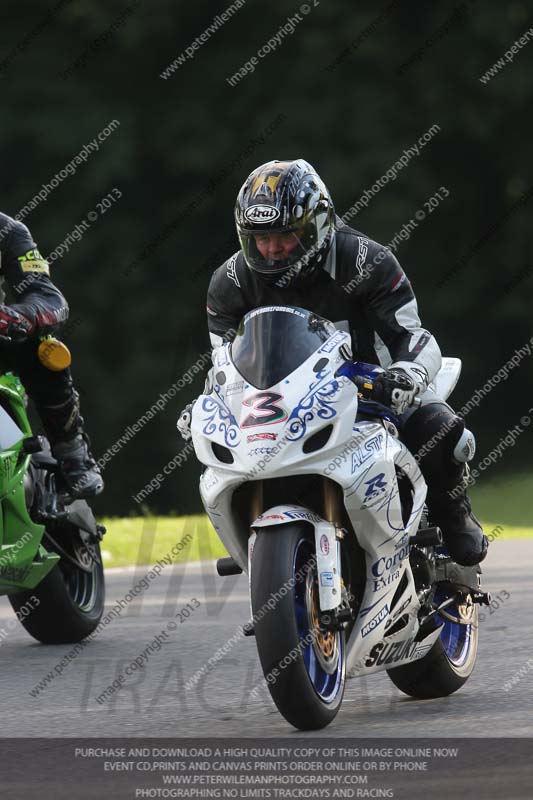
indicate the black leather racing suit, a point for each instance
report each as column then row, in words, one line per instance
column 362, row 282
column 32, row 293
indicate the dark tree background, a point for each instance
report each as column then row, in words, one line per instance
column 349, row 90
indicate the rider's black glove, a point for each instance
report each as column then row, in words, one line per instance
column 13, row 325
column 184, row 423
column 398, row 388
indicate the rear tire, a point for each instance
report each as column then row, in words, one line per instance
column 70, row 604
column 306, row 681
column 446, row 667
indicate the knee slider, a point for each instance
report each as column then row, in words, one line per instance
column 465, row 448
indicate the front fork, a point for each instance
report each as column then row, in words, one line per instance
column 332, row 501
column 328, row 535
column 332, row 511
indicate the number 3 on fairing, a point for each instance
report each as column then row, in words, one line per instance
column 265, row 410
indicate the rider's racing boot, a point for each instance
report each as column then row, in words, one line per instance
column 449, row 509
column 78, row 468
column 64, row 427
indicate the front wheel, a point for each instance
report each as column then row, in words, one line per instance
column 451, row 660
column 304, row 666
column 70, row 603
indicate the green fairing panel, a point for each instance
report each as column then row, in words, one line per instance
column 23, row 561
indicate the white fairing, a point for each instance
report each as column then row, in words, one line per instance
column 361, row 457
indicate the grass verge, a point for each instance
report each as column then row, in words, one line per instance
column 144, row 540
column 503, row 507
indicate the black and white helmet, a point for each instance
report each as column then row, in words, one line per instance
column 285, row 197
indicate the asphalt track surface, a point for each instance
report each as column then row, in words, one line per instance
column 153, row 702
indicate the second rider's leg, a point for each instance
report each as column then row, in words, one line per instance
column 57, row 403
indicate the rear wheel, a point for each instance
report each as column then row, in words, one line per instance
column 451, row 660
column 304, row 666
column 70, row 602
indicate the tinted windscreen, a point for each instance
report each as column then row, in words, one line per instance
column 273, row 341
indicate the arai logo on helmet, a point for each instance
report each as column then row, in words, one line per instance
column 261, row 214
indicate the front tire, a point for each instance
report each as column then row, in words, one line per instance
column 70, row 603
column 304, row 668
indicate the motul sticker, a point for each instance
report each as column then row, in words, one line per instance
column 324, row 544
column 375, row 621
column 335, row 340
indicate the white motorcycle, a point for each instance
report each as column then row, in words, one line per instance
column 315, row 497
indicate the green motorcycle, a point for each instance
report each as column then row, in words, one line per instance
column 50, row 561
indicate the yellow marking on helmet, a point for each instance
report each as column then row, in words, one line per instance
column 257, row 183
column 270, row 177
column 272, row 181
column 262, row 180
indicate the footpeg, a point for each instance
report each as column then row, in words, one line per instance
column 248, row 629
column 32, row 444
column 228, row 566
column 483, row 598
column 427, row 537
column 52, row 516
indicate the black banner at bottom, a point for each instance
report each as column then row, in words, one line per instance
column 275, row 768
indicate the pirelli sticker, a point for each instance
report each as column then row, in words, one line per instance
column 32, row 261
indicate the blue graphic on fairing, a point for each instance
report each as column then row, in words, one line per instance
column 376, row 486
column 369, row 608
column 220, row 418
column 371, row 448
column 317, row 402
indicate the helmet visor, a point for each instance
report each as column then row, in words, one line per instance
column 274, row 251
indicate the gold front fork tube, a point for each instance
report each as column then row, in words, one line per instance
column 256, row 506
column 332, row 509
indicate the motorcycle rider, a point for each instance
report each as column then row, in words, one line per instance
column 295, row 251
column 40, row 308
